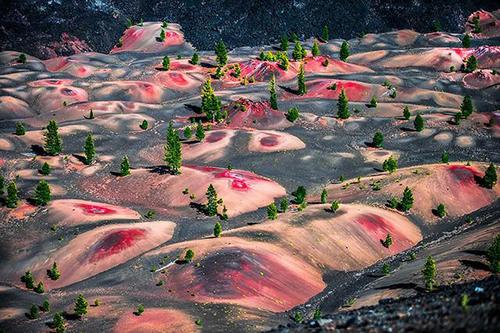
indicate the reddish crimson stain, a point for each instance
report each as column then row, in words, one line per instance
column 355, row 91
column 178, row 78
column 215, row 136
column 238, row 175
column 246, row 113
column 463, row 175
column 177, row 66
column 269, row 141
column 94, row 209
column 115, row 242
column 263, row 70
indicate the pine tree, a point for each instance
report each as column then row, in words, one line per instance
column 298, row 318
column 212, row 201
column 165, row 64
column 144, row 125
column 300, row 195
column 34, row 314
column 45, row 170
column 441, row 210
column 293, row 114
column 125, row 167
column 12, row 197
column 407, row 200
column 301, row 81
column 476, row 23
column 335, row 206
column 58, row 323
column 470, row 64
column 406, row 113
column 189, row 255
column 466, row 41
column 283, row 205
column 315, row 49
column 217, row 229
column 493, row 255
column 200, row 131
column 173, row 150
column 210, row 104
column 344, row 51
column 54, row 273
column 343, row 106
column 273, row 99
column 386, row 269
column 419, row 123
column 325, row 36
column 272, row 211
column 466, row 108
column 81, row 306
column 457, row 118
column 53, row 142
column 284, row 63
column 445, row 157
column 490, row 176
column 317, row 314
column 162, row 35
column 22, row 58
column 390, row 165
column 221, row 53
column 373, row 102
column 39, row 289
column 284, row 43
column 429, row 273
column 324, row 196
column 188, row 132
column 46, row 306
column 388, row 241
column 20, row 129
column 89, row 149
column 195, row 59
column 298, row 52
column 28, row 280
column 378, row 140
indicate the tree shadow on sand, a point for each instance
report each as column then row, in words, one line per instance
column 290, row 90
column 474, row 264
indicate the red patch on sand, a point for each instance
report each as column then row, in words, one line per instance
column 239, row 177
column 378, row 227
column 464, row 175
column 263, row 70
column 355, row 91
column 215, row 136
column 115, row 242
column 50, row 82
column 94, row 209
column 269, row 141
column 246, row 113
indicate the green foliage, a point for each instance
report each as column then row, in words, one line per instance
column 141, row 23
column 386, row 269
column 470, row 64
column 189, row 255
column 211, row 104
column 325, row 36
column 162, row 35
column 466, row 108
column 53, row 142
column 144, row 125
column 393, row 203
column 125, row 167
column 301, row 81
column 300, row 195
column 12, row 197
column 200, row 131
column 273, row 99
column 45, row 170
column 293, row 114
column 21, row 59
column 387, row 241
column 344, row 51
column 373, row 102
column 218, row 73
column 476, row 23
column 164, row 24
column 343, row 106
column 378, row 140
column 325, row 62
column 165, row 63
column 28, row 280
column 150, row 214
column 317, row 314
column 89, row 149
column 429, row 273
column 298, row 51
column 335, row 206
column 284, row 43
column 436, row 25
column 284, row 63
column 272, row 211
column 20, row 129
column 407, row 200
column 188, row 133
column 445, row 157
column 39, row 289
column 173, row 150
column 283, row 205
column 54, row 273
column 390, row 165
column 324, row 196
column 493, row 255
column 441, row 210
column 140, row 310
column 45, row 306
column 58, row 323
column 34, row 314
column 217, row 229
column 221, row 53
column 490, row 176
column 195, row 59
column 315, row 49
column 406, row 113
column 466, row 41
column 81, row 306
column 236, row 70
column 419, row 123
column 212, row 201
column 457, row 118
column 298, row 317
column 464, row 301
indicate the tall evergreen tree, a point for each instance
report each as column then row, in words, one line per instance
column 272, row 211
column 188, row 133
column 200, row 131
column 89, row 149
column 344, row 51
column 195, row 59
column 445, row 157
column 53, row 142
column 343, row 106
column 12, row 197
column 189, row 255
column 221, row 53
column 173, row 150
column 406, row 113
column 46, row 306
column 273, row 99
column 210, row 104
column 301, row 81
column 34, row 314
column 429, row 273
column 54, row 273
column 466, row 41
column 165, row 63
column 325, row 36
column 162, row 35
column 81, row 306
column 217, row 229
column 45, row 170
column 378, row 140
column 476, row 24
column 298, row 52
column 324, row 196
column 490, row 176
column 212, row 201
column 284, row 43
column 28, row 280
column 493, row 255
column 387, row 241
column 419, row 123
column 407, row 200
column 315, row 49
column 58, row 323
column 42, row 194
column 40, row 288
column 283, row 205
column 125, row 166
column 470, row 64
column 300, row 195
column 466, row 108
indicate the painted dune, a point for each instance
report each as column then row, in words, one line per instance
column 245, row 113
column 156, row 320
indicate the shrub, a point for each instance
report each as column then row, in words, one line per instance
column 298, row 318
column 189, row 255
column 378, row 140
column 45, row 306
column 490, row 176
column 200, row 131
column 28, row 280
column 299, row 194
column 81, row 306
column 188, row 133
column 20, row 129
column 493, row 255
column 195, row 59
column 445, row 157
column 45, row 170
column 388, row 241
column 373, row 102
column 54, row 273
column 324, row 196
column 466, row 41
column 335, row 206
column 140, row 310
column 317, row 314
column 441, row 210
column 293, row 114
column 344, row 51
column 39, row 289
column 42, row 194
column 283, row 205
column 315, row 49
column 390, row 165
column 406, row 113
column 419, row 123
column 217, row 229
column 22, row 58
column 386, row 269
column 125, row 167
column 457, row 118
column 272, row 211
column 165, row 64
column 429, row 273
column 144, row 125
